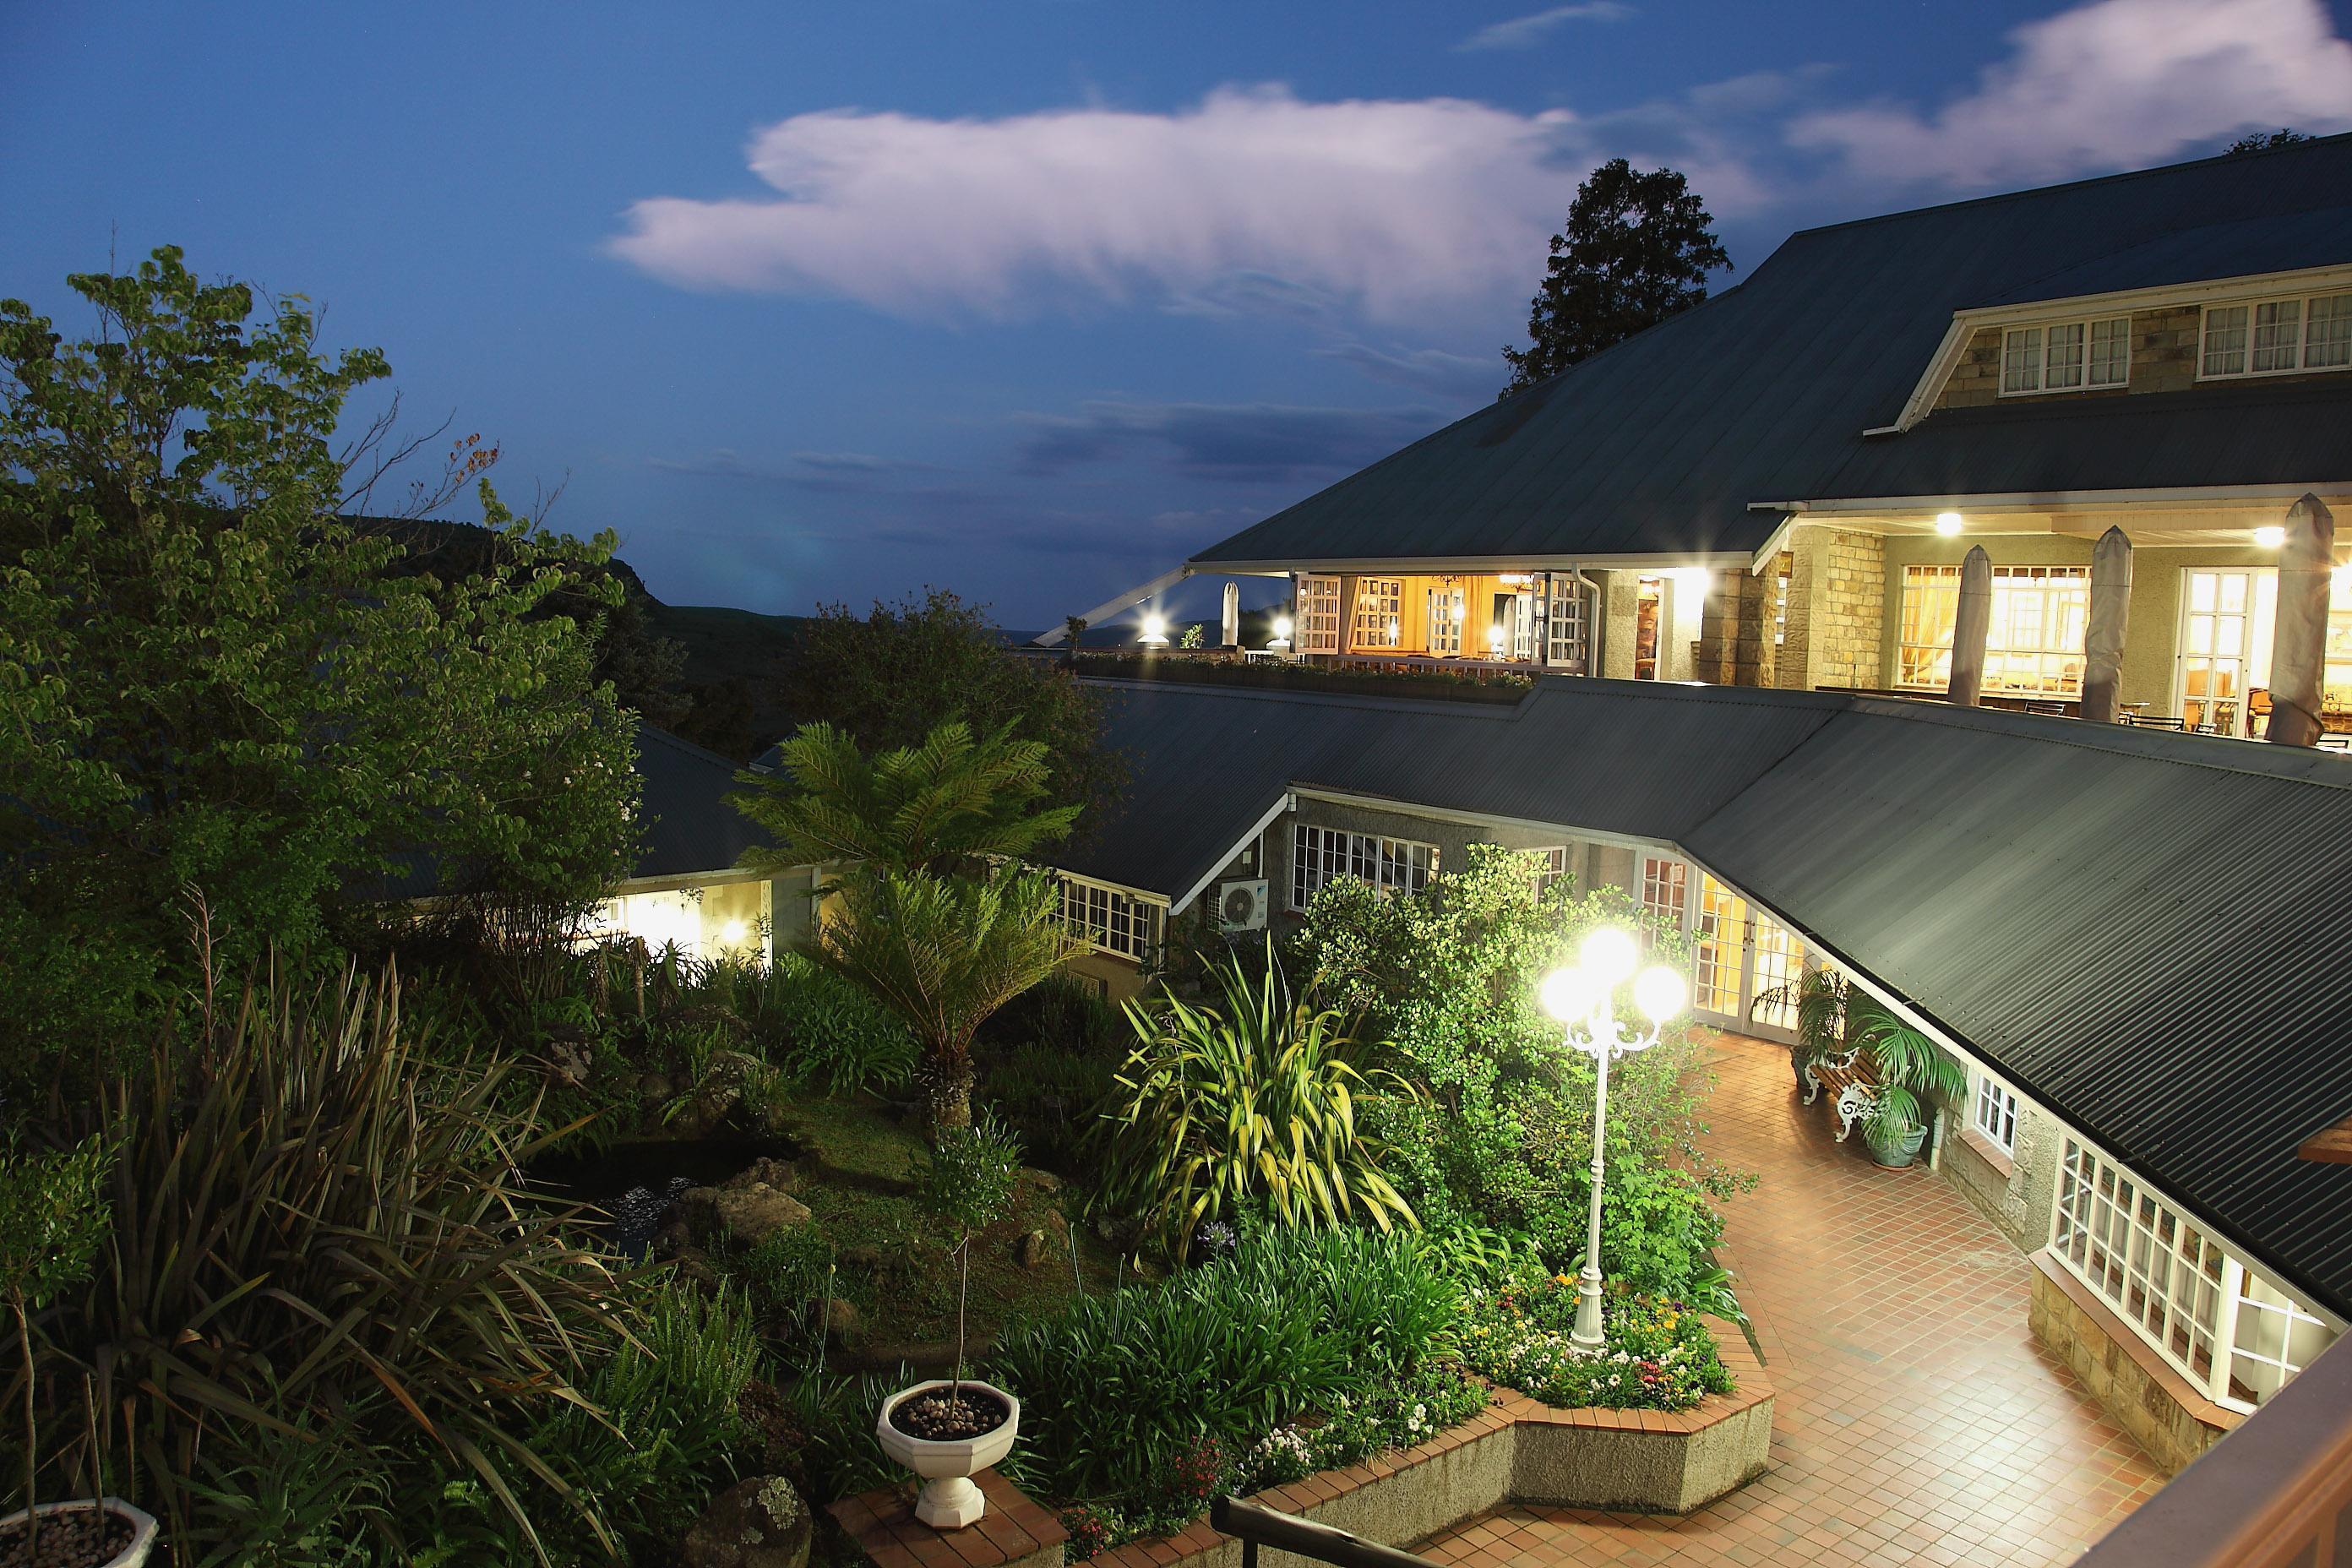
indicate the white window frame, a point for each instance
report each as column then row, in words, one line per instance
column 2246, row 351
column 1554, row 866
column 2049, row 664
column 1992, row 1111
column 2039, row 332
column 1378, row 622
column 2183, row 1291
column 1317, row 627
column 1568, row 643
column 1448, row 611
column 1320, row 856
column 1105, row 918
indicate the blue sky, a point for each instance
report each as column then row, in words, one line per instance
column 1031, row 298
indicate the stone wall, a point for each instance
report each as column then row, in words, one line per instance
column 1975, row 380
column 2014, row 1190
column 1735, row 641
column 2173, row 1422
column 2164, row 349
column 1837, row 610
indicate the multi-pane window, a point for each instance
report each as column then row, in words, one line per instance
column 1321, row 855
column 2274, row 337
column 1665, row 896
column 1379, row 605
column 1553, row 868
column 1446, row 614
column 2033, row 644
column 2067, row 357
column 1996, row 1114
column 1109, row 921
column 1568, row 645
column 1318, row 615
column 2336, row 695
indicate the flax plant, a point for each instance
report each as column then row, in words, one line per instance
column 1253, row 1103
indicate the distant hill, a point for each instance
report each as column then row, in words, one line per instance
column 737, row 664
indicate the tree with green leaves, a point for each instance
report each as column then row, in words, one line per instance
column 213, row 681
column 890, row 677
column 1637, row 248
column 52, row 1219
column 968, row 1181
column 2262, row 141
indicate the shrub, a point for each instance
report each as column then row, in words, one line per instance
column 821, row 1028
column 1252, row 1104
column 1656, row 1354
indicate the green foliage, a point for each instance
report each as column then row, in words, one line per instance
column 51, row 1222
column 1252, row 1104
column 942, row 953
column 968, row 1176
column 1911, row 1068
column 1448, row 977
column 821, row 1029
column 1116, row 1390
column 1636, row 249
column 221, row 682
column 893, row 676
column 1046, row 1096
column 313, row 1222
column 1656, row 1355
column 953, row 800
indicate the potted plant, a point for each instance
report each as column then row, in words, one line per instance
column 52, row 1219
column 1911, row 1072
column 1821, row 997
column 948, row 1430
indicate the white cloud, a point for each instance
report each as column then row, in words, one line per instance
column 2115, row 84
column 1387, row 207
column 1525, row 32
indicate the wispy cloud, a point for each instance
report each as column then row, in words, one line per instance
column 2115, row 84
column 1433, row 371
column 1236, row 442
column 1383, row 206
column 1527, row 32
column 836, row 472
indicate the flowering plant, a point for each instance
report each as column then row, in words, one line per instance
column 1656, row 1355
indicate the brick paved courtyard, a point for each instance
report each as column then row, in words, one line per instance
column 1917, row 1419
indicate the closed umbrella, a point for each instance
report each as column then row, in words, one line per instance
column 1970, row 625
column 1233, row 619
column 2103, row 640
column 2299, row 643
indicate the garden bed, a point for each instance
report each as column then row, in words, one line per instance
column 1515, row 1450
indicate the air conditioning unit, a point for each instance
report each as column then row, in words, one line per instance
column 1241, row 906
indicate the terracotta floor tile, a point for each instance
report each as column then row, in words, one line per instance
column 1916, row 1419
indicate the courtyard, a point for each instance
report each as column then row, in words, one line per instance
column 1917, row 1419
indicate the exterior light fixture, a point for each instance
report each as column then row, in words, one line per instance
column 733, row 932
column 1155, row 631
column 2270, row 536
column 1691, row 577
column 1393, row 631
column 1281, row 634
column 1947, row 523
column 1495, row 640
column 1582, row 998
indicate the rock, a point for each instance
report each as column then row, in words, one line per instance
column 653, row 1085
column 842, row 1319
column 719, row 1092
column 1030, row 1250
column 778, row 1174
column 694, row 1268
column 761, row 1522
column 749, row 1215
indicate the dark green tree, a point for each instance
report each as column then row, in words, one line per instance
column 1636, row 249
column 213, row 682
column 2262, row 141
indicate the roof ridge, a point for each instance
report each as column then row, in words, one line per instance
column 2093, row 736
column 2120, row 176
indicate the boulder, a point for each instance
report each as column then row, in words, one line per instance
column 781, row 1175
column 760, row 1522
column 749, row 1215
column 718, row 1092
column 842, row 1319
column 1030, row 1250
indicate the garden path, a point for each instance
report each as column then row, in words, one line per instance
column 1916, row 1418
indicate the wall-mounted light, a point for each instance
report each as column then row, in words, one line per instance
column 1281, row 633
column 733, row 932
column 1155, row 631
column 1947, row 523
column 1691, row 576
column 1495, row 640
column 2270, row 536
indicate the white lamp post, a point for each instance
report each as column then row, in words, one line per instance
column 1583, row 997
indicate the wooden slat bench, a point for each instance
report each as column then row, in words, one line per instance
column 1855, row 1076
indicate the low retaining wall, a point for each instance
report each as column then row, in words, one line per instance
column 2166, row 1415
column 1515, row 1450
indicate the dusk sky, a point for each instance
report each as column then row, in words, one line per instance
column 1028, row 299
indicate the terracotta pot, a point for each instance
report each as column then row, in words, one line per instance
column 142, row 1527
column 948, row 1500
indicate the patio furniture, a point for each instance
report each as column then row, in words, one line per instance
column 1855, row 1076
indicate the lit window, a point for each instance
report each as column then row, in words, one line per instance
column 1568, row 648
column 1379, row 605
column 1318, row 615
column 2033, row 644
column 1105, row 920
column 2277, row 337
column 2337, row 694
column 1321, row 855
column 2068, row 357
column 1996, row 1114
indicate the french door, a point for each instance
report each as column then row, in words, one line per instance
column 2227, row 618
column 1745, row 965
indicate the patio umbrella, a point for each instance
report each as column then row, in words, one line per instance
column 1233, row 623
column 1969, row 624
column 2103, row 640
column 2299, row 644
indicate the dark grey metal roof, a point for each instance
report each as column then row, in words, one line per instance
column 2144, row 930
column 1659, row 445
column 2279, row 242
column 689, row 825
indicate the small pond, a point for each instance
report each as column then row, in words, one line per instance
column 635, row 1184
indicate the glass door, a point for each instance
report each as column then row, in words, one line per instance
column 1445, row 616
column 1746, row 965
column 1776, row 962
column 2223, row 663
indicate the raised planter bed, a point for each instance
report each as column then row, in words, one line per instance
column 1515, row 1450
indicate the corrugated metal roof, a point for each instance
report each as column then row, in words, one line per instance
column 2145, row 930
column 1658, row 445
column 689, row 825
column 2282, row 242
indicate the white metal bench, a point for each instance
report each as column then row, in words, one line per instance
column 1855, row 1076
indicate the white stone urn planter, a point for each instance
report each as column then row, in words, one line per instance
column 142, row 1526
column 948, row 1500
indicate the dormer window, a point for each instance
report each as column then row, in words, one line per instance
column 2277, row 337
column 2067, row 356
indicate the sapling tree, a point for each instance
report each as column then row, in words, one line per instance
column 968, row 1185
column 51, row 1222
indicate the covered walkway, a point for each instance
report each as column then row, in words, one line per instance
column 1917, row 1420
